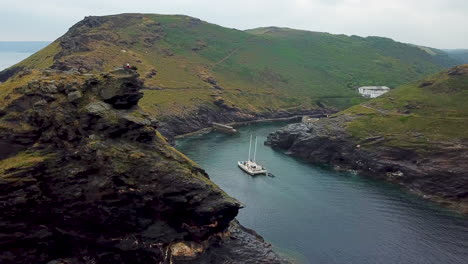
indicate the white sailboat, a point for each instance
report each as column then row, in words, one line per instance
column 251, row 166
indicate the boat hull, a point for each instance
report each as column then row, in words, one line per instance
column 251, row 171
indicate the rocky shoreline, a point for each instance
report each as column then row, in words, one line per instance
column 201, row 121
column 439, row 173
column 237, row 124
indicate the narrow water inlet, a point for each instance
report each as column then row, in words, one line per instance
column 325, row 216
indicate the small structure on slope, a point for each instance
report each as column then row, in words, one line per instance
column 224, row 128
column 308, row 119
column 373, row 91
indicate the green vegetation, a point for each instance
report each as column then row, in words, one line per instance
column 7, row 88
column 417, row 114
column 20, row 161
column 42, row 59
column 263, row 69
column 460, row 55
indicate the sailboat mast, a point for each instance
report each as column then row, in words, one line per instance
column 255, row 151
column 250, row 146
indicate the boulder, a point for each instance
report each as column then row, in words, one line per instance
column 74, row 96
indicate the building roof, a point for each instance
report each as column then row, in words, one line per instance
column 374, row 88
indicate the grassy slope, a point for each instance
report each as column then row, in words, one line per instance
column 260, row 70
column 418, row 114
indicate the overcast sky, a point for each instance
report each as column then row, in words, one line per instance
column 434, row 23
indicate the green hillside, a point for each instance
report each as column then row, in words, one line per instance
column 187, row 62
column 417, row 115
column 460, row 55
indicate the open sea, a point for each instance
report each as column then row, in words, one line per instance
column 12, row 52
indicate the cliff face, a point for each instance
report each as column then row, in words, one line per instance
column 86, row 178
column 414, row 136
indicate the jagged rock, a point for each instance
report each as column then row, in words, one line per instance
column 78, row 64
column 167, row 52
column 68, row 88
column 50, row 88
column 210, row 80
column 459, row 70
column 98, row 108
column 200, row 45
column 437, row 173
column 40, row 103
column 96, row 183
column 123, row 93
column 74, row 96
column 151, row 73
column 426, row 83
column 8, row 73
column 222, row 104
column 186, row 251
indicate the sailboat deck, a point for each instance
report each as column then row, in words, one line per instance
column 251, row 166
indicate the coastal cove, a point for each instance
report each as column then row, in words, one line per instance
column 245, row 134
column 324, row 216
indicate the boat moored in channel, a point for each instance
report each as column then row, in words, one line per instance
column 251, row 166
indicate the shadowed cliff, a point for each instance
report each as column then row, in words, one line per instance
column 86, row 177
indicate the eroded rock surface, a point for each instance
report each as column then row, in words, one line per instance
column 439, row 173
column 86, row 178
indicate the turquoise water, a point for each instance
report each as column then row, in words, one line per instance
column 323, row 216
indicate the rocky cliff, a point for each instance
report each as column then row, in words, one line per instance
column 86, row 178
column 414, row 136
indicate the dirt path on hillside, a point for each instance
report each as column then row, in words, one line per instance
column 410, row 115
column 232, row 52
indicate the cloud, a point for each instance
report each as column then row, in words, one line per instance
column 436, row 23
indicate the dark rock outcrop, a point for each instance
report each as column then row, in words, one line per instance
column 439, row 173
column 86, row 178
column 83, row 36
column 172, row 126
column 6, row 74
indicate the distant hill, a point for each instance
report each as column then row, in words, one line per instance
column 460, row 55
column 188, row 63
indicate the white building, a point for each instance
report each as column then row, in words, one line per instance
column 373, row 91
